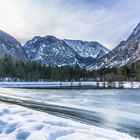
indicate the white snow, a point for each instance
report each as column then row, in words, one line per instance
column 19, row 123
column 125, row 84
column 87, row 48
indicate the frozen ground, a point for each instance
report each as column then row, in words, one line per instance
column 19, row 123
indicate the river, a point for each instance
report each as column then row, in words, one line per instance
column 115, row 108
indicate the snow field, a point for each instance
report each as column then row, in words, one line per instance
column 19, row 123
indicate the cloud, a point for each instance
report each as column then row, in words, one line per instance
column 108, row 22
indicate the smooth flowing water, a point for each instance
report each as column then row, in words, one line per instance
column 122, row 100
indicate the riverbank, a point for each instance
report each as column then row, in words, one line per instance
column 87, row 116
column 112, row 109
column 72, row 85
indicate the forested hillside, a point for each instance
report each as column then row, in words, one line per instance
column 33, row 71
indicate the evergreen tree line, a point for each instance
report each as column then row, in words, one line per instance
column 33, row 71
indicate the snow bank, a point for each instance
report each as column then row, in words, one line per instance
column 46, row 84
column 19, row 123
column 116, row 84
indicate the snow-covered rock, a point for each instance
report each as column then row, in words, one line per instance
column 11, row 47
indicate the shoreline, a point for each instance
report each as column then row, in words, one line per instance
column 72, row 85
column 89, row 117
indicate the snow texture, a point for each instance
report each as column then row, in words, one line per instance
column 19, row 123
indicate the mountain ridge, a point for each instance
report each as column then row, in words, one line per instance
column 11, row 46
column 127, row 52
column 58, row 52
column 51, row 50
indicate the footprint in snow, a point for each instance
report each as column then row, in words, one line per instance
column 11, row 128
column 38, row 127
column 22, row 135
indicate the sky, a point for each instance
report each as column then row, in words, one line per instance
column 105, row 21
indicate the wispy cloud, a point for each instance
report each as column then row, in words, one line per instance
column 105, row 21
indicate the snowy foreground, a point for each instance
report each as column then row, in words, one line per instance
column 19, row 123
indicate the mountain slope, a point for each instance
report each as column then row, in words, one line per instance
column 54, row 51
column 10, row 46
column 126, row 52
column 50, row 50
column 88, row 48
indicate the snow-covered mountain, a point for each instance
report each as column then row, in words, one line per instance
column 10, row 46
column 135, row 34
column 87, row 48
column 50, row 50
column 125, row 53
column 54, row 51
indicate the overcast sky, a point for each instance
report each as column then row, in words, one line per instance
column 105, row 21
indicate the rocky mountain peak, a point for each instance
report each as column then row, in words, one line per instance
column 11, row 46
column 127, row 52
column 87, row 48
column 135, row 34
column 51, row 50
column 6, row 37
